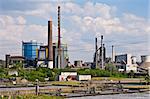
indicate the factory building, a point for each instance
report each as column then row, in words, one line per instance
column 42, row 56
column 52, row 55
column 64, row 56
column 2, row 63
column 45, row 53
column 126, row 63
column 78, row 63
column 11, row 61
column 29, row 51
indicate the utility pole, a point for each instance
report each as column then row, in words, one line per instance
column 37, row 87
column 96, row 52
column 102, row 55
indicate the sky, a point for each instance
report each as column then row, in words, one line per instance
column 124, row 24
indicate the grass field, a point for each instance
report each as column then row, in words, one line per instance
column 115, row 79
column 32, row 97
column 137, row 86
column 73, row 83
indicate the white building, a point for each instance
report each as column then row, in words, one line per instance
column 73, row 76
column 84, row 77
column 63, row 76
column 126, row 62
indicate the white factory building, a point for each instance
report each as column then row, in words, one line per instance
column 126, row 63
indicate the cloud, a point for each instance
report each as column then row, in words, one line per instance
column 21, row 20
column 14, row 30
column 79, row 26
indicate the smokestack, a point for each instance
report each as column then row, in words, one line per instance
column 50, row 45
column 96, row 53
column 59, row 42
column 112, row 53
column 96, row 44
column 102, row 55
column 59, row 39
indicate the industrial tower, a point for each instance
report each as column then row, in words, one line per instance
column 59, row 40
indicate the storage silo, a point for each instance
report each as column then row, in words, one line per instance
column 29, row 51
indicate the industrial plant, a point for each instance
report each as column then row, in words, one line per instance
column 44, row 69
column 55, row 55
column 83, row 48
column 35, row 54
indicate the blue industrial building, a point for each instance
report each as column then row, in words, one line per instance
column 29, row 51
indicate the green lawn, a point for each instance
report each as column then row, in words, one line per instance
column 36, row 97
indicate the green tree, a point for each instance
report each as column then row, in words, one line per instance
column 111, row 67
column 17, row 66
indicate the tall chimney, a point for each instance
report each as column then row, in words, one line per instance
column 96, row 62
column 112, row 54
column 59, row 39
column 102, row 55
column 50, row 45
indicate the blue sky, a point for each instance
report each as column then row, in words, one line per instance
column 124, row 23
column 138, row 7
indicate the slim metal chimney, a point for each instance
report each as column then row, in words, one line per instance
column 59, row 39
column 50, row 45
column 112, row 60
column 102, row 55
column 96, row 51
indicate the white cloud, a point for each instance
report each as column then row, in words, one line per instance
column 14, row 30
column 21, row 20
column 81, row 21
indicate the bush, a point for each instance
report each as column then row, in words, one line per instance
column 99, row 73
column 41, row 73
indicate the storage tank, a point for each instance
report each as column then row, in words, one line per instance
column 29, row 49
